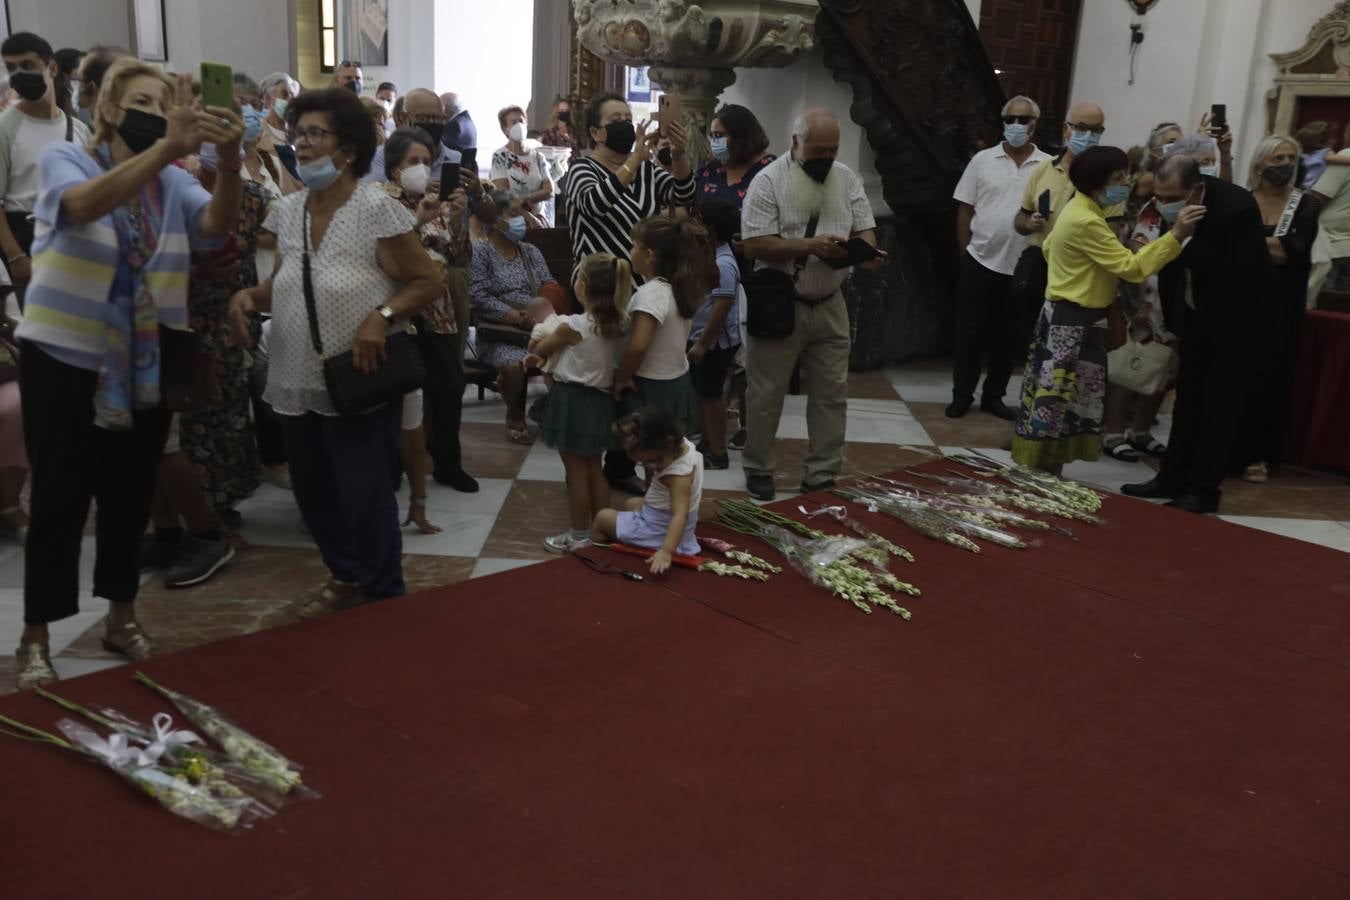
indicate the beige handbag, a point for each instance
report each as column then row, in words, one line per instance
column 1139, row 367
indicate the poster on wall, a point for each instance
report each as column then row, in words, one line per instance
column 364, row 29
column 147, row 26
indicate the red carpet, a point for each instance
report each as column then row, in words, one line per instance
column 1159, row 710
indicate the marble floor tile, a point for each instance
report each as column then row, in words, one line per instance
column 489, row 566
column 975, row 429
column 486, row 451
column 486, row 501
column 1329, row 534
column 462, row 534
column 542, row 464
column 533, row 510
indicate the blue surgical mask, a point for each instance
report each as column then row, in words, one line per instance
column 1170, row 211
column 1212, row 171
column 515, row 229
column 1113, row 195
column 719, row 148
column 1081, row 142
column 1016, row 134
column 319, row 174
column 253, row 123
column 279, row 107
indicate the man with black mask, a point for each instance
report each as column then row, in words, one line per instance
column 348, row 75
column 460, row 131
column 421, row 109
column 26, row 128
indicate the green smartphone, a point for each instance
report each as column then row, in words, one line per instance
column 217, row 85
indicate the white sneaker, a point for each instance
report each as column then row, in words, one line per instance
column 564, row 543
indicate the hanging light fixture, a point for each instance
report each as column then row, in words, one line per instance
column 1142, row 6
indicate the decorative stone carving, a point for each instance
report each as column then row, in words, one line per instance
column 694, row 47
column 1320, row 68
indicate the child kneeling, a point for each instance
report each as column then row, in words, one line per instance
column 664, row 519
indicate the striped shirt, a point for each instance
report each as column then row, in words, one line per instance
column 601, row 213
column 65, row 308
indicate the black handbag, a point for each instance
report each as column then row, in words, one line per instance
column 771, row 297
column 351, row 391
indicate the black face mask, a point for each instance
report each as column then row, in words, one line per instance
column 435, row 129
column 1278, row 175
column 31, row 86
column 139, row 130
column 620, row 136
column 664, row 157
column 565, row 116
column 355, row 86
column 818, row 169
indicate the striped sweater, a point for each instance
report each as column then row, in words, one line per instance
column 65, row 306
column 601, row 213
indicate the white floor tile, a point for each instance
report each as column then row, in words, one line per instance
column 542, row 464
column 273, row 523
column 486, row 501
column 1335, row 535
column 464, row 535
column 488, row 565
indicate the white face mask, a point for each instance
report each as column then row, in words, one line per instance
column 414, row 179
column 517, row 132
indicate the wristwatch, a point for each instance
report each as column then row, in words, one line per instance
column 385, row 313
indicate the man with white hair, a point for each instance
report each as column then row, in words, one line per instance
column 988, row 320
column 277, row 90
column 798, row 211
column 460, row 132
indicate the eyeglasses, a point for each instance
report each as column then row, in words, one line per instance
column 1020, row 120
column 1082, row 128
column 311, row 135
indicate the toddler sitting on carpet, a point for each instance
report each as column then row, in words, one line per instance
column 666, row 516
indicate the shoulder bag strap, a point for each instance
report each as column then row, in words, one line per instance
column 70, row 128
column 800, row 263
column 308, row 280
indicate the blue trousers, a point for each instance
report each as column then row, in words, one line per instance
column 341, row 471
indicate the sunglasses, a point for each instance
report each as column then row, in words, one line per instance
column 1020, row 120
column 354, row 63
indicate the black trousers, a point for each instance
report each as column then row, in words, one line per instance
column 988, row 332
column 72, row 462
column 1211, row 391
column 442, row 399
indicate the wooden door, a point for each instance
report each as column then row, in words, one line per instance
column 1031, row 44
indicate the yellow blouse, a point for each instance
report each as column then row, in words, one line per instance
column 1085, row 257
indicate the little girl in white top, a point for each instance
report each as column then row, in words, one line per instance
column 664, row 519
column 579, row 419
column 676, row 259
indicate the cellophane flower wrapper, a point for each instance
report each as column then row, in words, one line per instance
column 215, row 804
column 196, row 756
column 280, row 775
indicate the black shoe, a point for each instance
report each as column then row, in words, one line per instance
column 958, row 408
column 1194, row 502
column 737, row 440
column 818, row 486
column 157, row 554
column 1157, row 489
column 759, row 486
column 630, row 485
column 199, row 559
column 457, row 479
column 713, row 461
column 1000, row 409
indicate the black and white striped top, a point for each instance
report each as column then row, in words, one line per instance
column 601, row 213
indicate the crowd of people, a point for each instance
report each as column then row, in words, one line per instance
column 1121, row 276
column 295, row 286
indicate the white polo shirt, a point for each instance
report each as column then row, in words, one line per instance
column 993, row 183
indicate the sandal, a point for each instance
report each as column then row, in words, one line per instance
column 1122, row 451
column 519, row 434
column 333, row 596
column 1256, row 473
column 129, row 640
column 1148, row 444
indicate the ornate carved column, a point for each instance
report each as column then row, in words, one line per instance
column 693, row 48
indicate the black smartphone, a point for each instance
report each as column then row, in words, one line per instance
column 286, row 153
column 1043, row 204
column 1218, row 117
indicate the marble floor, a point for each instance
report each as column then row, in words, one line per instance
column 895, row 418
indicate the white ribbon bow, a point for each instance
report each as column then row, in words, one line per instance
column 115, row 750
column 834, row 512
column 166, row 737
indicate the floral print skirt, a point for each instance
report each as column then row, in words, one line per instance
column 1060, row 418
